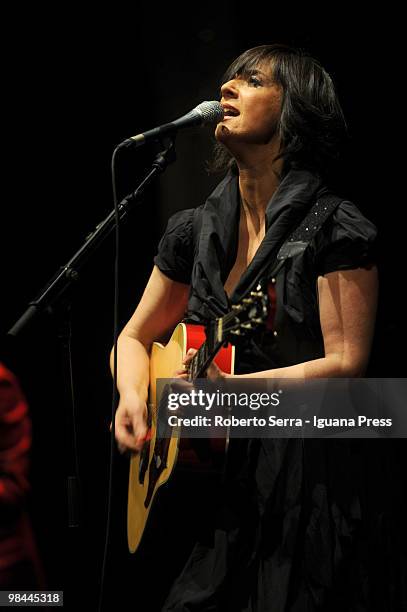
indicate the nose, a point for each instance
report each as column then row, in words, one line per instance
column 229, row 89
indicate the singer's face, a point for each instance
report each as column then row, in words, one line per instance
column 252, row 104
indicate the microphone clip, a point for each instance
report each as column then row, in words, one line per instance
column 166, row 156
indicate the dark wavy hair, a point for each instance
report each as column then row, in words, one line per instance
column 312, row 125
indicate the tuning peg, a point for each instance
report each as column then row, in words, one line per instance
column 236, row 332
column 247, row 301
column 237, row 307
column 246, row 326
column 257, row 293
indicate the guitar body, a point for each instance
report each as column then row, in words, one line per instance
column 148, row 472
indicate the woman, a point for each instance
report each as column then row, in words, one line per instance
column 283, row 537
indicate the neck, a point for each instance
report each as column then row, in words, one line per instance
column 259, row 178
column 257, row 186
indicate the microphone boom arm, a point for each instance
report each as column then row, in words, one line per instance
column 69, row 273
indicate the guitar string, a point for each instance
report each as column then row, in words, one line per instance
column 202, row 353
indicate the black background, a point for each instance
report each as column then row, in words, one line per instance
column 77, row 85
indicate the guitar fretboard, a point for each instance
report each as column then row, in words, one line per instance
column 242, row 318
column 196, row 368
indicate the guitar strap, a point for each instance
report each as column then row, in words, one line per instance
column 297, row 241
column 302, row 236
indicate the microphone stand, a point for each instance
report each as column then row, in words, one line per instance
column 69, row 273
column 51, row 297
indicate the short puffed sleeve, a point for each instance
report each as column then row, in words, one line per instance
column 347, row 241
column 176, row 250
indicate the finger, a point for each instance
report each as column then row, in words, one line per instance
column 214, row 373
column 126, row 441
column 180, row 370
column 181, row 383
column 189, row 355
column 122, row 449
column 129, row 441
column 140, row 436
column 180, row 373
column 128, row 431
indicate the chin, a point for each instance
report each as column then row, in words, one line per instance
column 222, row 133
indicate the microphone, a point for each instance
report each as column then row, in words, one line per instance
column 203, row 114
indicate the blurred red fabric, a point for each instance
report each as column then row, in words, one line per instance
column 20, row 566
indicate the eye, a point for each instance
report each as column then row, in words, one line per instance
column 255, row 81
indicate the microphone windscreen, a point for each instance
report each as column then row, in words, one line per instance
column 211, row 111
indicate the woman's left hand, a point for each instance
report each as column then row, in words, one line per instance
column 214, row 373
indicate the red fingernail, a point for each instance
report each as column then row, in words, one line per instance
column 147, row 437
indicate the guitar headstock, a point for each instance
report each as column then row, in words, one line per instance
column 244, row 319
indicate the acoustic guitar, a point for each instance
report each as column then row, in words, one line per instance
column 152, row 467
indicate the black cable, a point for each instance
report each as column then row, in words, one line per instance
column 74, row 483
column 115, row 394
column 161, row 161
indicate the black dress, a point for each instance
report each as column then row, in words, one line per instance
column 298, row 527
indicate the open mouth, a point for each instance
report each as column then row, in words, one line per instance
column 230, row 112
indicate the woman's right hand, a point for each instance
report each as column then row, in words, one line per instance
column 131, row 422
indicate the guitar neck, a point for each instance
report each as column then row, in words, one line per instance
column 200, row 363
column 242, row 319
